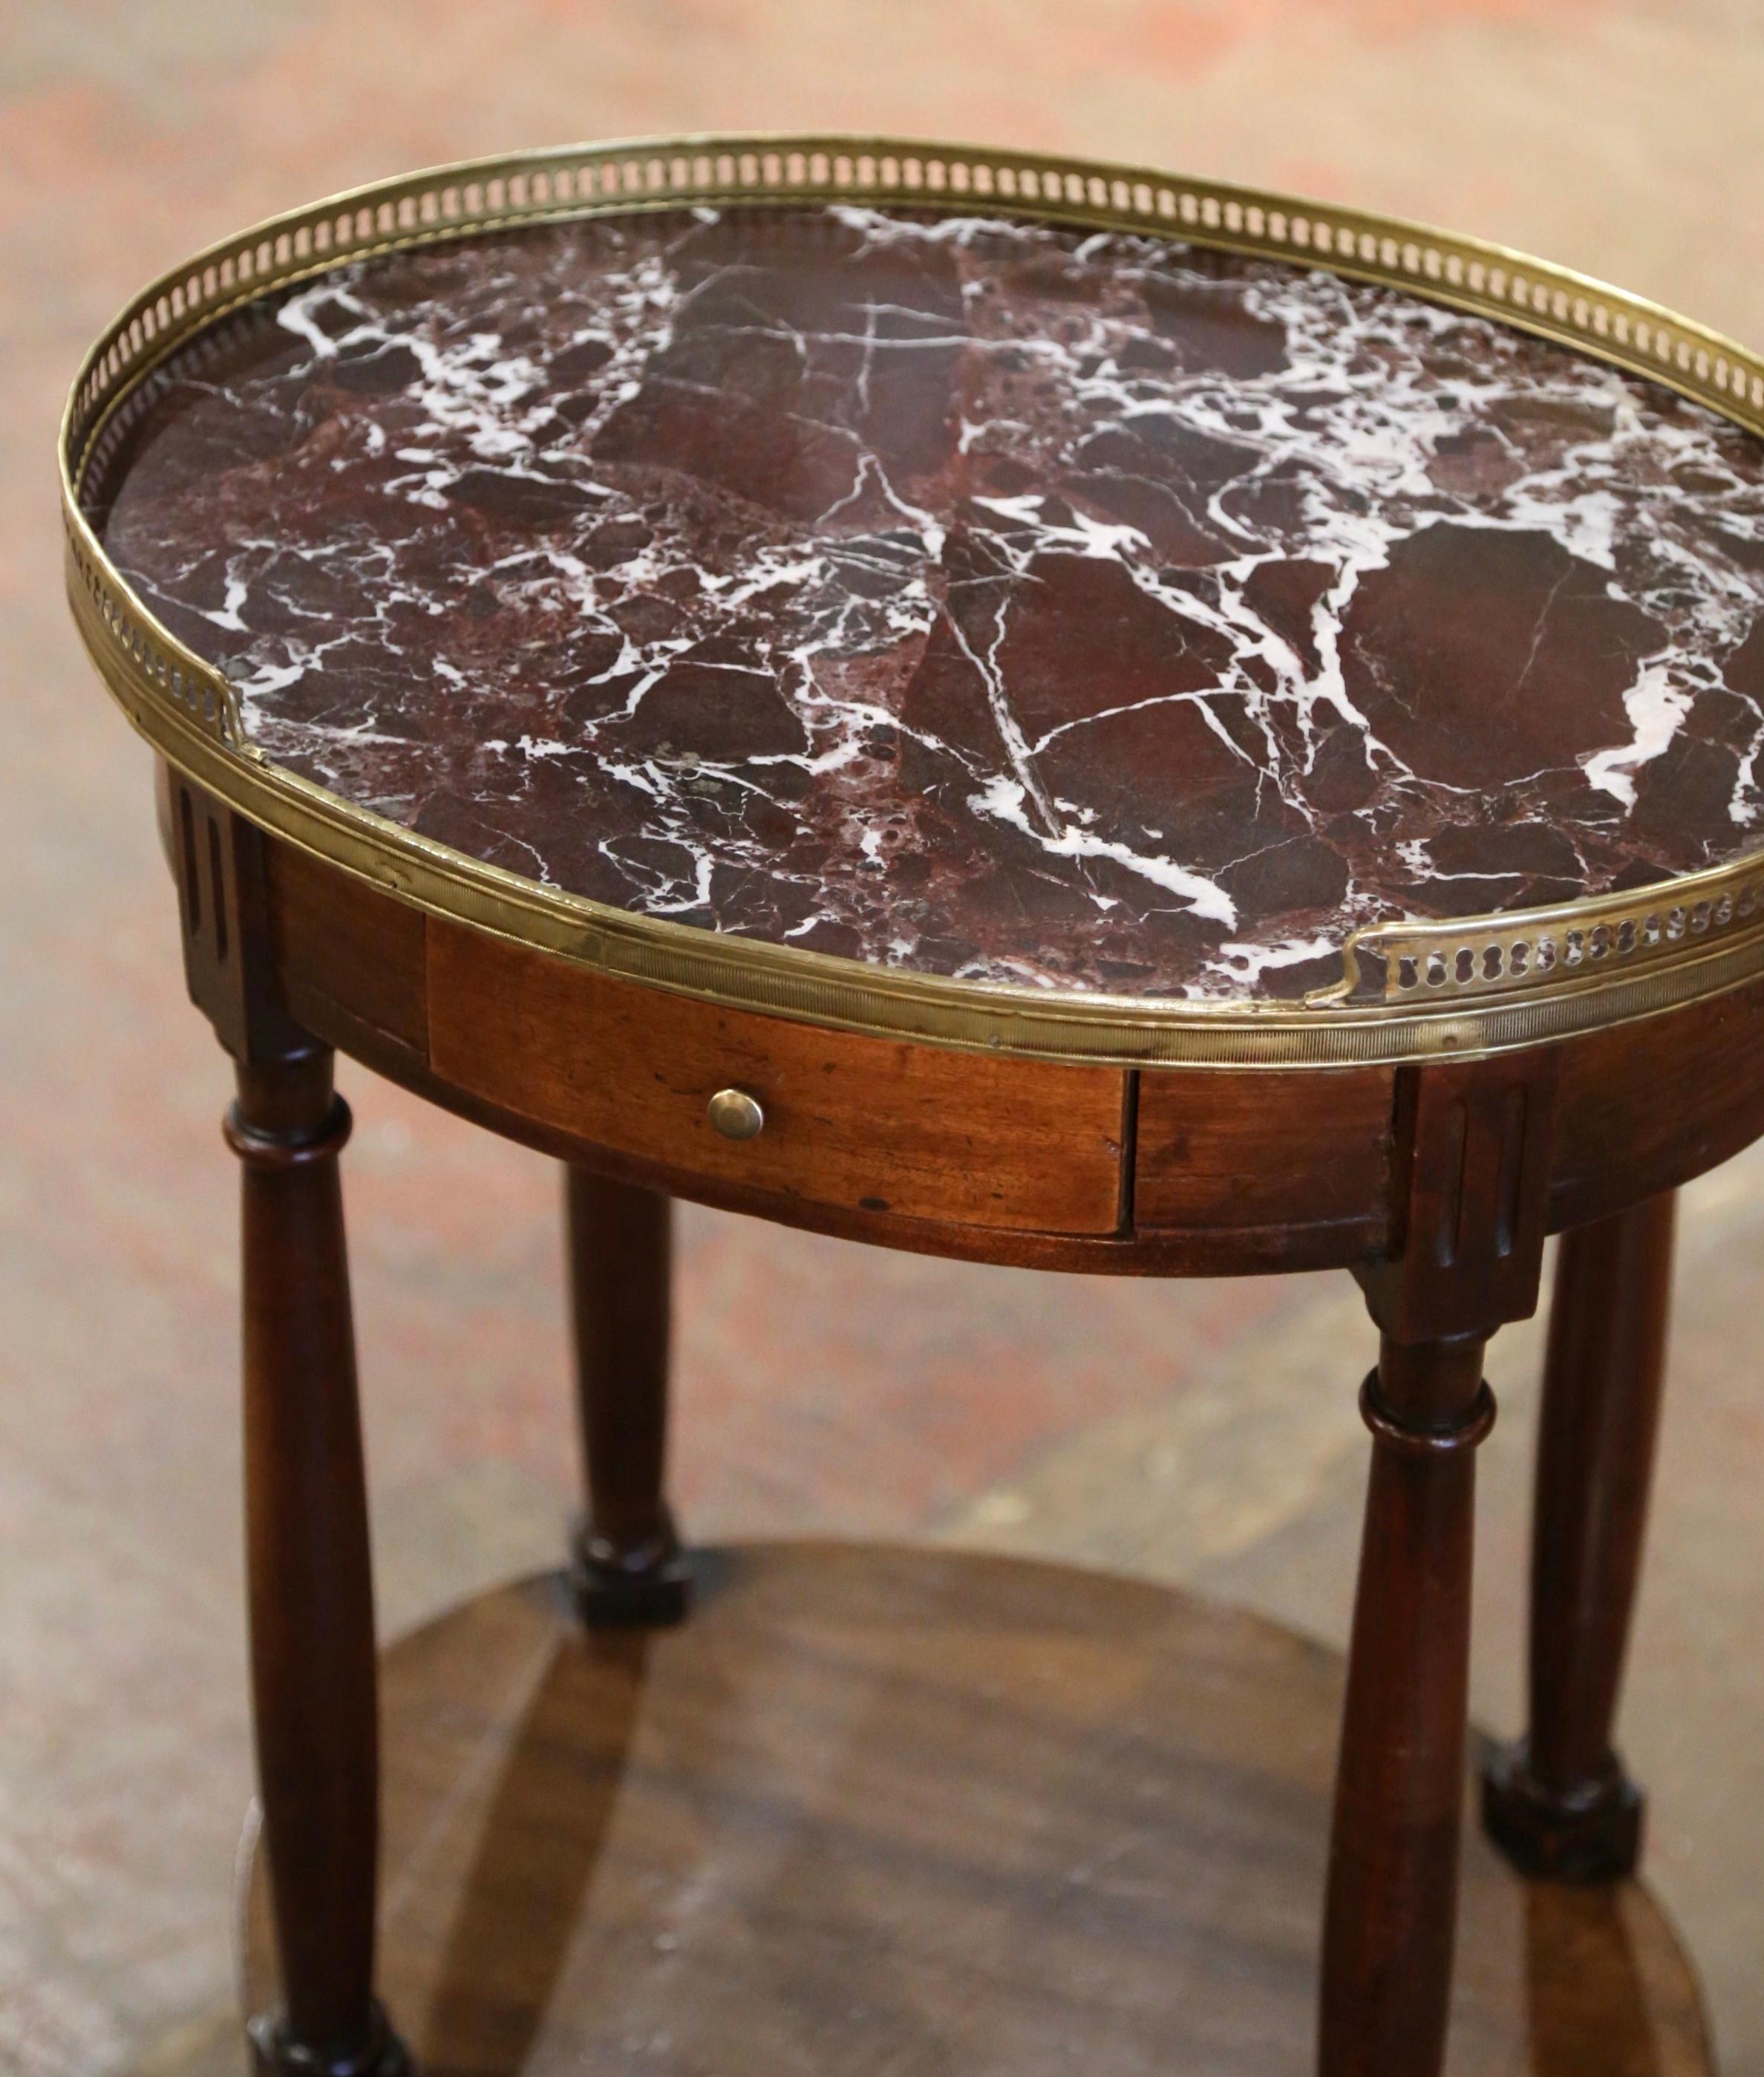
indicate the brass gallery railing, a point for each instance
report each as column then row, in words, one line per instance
column 1408, row 990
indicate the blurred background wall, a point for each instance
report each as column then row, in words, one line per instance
column 1204, row 1433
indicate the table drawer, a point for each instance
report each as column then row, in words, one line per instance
column 871, row 1123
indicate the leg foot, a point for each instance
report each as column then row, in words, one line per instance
column 640, row 1586
column 274, row 2052
column 1591, row 1834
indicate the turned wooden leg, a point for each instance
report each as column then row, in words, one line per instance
column 311, row 1595
column 1471, row 1171
column 1558, row 1803
column 628, row 1566
column 1391, row 1904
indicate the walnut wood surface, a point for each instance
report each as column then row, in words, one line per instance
column 863, row 1123
column 1469, row 1179
column 1648, row 1106
column 220, row 862
column 1390, row 1912
column 1223, row 1151
column 921, row 1811
column 1470, row 1184
column 628, row 1567
column 312, row 1634
column 1435, row 1182
column 1560, row 1803
column 343, row 947
column 1230, row 1173
column 1601, row 1407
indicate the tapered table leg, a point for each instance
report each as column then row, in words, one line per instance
column 1391, row 1904
column 628, row 1566
column 1558, row 1803
column 311, row 1596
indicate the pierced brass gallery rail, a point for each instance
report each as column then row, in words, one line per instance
column 1409, row 990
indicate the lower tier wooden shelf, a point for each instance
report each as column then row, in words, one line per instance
column 919, row 1812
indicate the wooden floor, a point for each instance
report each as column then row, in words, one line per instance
column 912, row 1811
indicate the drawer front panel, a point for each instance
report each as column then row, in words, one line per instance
column 918, row 1130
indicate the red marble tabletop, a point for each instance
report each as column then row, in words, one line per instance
column 980, row 598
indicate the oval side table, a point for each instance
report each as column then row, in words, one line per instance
column 1029, row 710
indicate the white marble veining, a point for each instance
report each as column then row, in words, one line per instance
column 986, row 598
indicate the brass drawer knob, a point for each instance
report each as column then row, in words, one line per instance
column 735, row 1114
